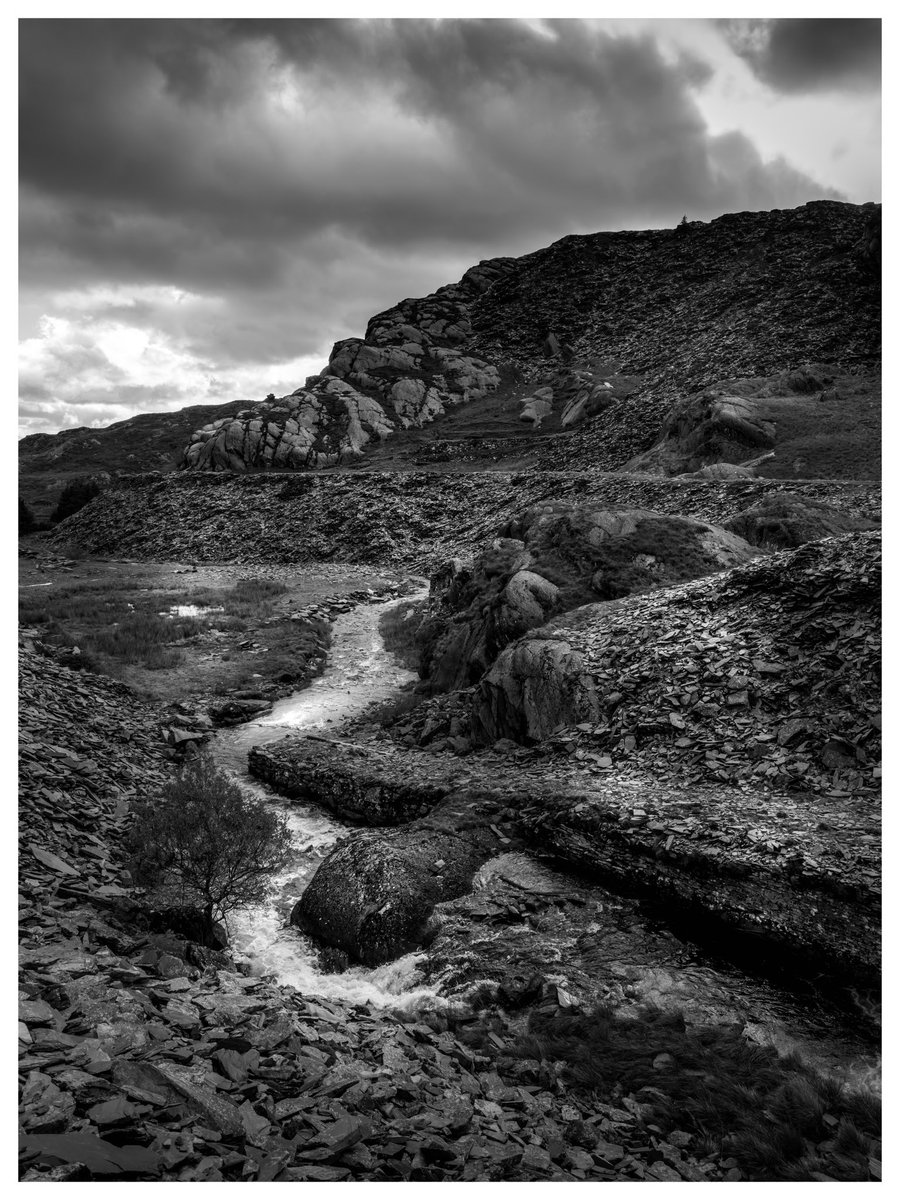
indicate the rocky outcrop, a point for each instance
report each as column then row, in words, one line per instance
column 321, row 426
column 537, row 687
column 790, row 905
column 706, row 429
column 407, row 370
column 551, row 558
column 786, row 521
column 527, row 929
column 373, row 895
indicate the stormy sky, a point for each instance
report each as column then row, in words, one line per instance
column 207, row 205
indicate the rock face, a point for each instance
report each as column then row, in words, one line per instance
column 551, row 558
column 373, row 895
column 406, row 371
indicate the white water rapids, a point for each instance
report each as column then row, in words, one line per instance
column 359, row 671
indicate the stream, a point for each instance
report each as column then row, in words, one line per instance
column 359, row 671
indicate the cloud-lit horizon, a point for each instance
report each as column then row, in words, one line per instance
column 207, row 205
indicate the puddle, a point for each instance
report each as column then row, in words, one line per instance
column 190, row 610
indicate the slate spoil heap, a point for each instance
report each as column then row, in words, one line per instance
column 391, row 519
column 745, row 294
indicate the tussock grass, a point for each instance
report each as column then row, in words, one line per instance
column 780, row 1118
column 398, row 627
column 252, row 597
column 144, row 639
column 119, row 623
column 565, row 558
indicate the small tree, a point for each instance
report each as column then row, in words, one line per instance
column 205, row 843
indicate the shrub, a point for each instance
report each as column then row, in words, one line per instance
column 205, row 843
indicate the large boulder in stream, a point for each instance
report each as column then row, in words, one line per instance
column 373, row 895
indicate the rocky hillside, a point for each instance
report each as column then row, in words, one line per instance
column 148, row 442
column 667, row 313
column 600, row 334
column 670, row 350
column 748, row 294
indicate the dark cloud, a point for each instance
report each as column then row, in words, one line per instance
column 211, row 149
column 811, row 55
column 297, row 176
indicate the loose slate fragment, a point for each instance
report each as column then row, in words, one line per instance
column 53, row 861
column 99, row 1156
